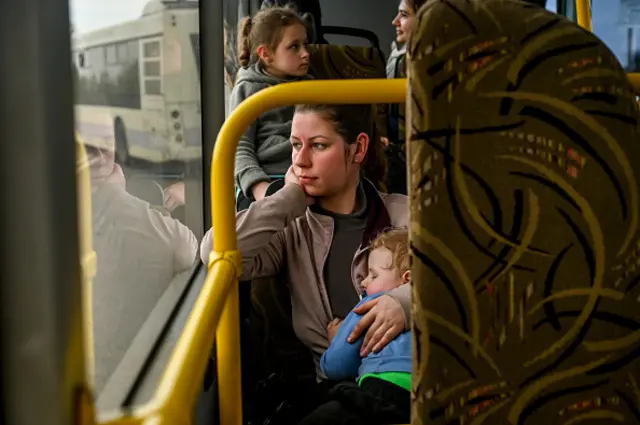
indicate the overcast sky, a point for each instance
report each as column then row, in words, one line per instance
column 88, row 15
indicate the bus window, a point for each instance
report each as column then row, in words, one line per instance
column 615, row 22
column 140, row 121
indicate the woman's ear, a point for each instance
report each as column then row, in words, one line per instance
column 362, row 146
column 406, row 276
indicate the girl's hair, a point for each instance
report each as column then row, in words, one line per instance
column 349, row 121
column 309, row 10
column 265, row 28
column 396, row 241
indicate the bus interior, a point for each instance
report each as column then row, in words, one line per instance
column 134, row 320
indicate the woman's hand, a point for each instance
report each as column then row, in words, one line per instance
column 383, row 321
column 332, row 328
column 291, row 178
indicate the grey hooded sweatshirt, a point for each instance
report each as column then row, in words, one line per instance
column 264, row 149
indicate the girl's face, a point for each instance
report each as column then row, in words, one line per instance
column 404, row 22
column 325, row 164
column 291, row 57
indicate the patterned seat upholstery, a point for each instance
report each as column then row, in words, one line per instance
column 329, row 61
column 525, row 155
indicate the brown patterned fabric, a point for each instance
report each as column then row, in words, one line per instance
column 525, row 154
column 329, row 61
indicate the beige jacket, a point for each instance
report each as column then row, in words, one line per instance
column 280, row 231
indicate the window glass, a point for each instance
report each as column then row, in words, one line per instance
column 152, row 68
column 112, row 55
column 123, row 52
column 145, row 156
column 152, row 49
column 617, row 23
column 152, row 87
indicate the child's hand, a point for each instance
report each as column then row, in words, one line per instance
column 332, row 328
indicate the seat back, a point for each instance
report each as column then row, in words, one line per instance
column 329, row 61
column 525, row 165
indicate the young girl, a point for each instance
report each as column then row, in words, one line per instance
column 272, row 49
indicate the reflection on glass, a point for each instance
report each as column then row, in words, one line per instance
column 617, row 23
column 137, row 85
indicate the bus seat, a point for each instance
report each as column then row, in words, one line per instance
column 524, row 171
column 370, row 36
column 330, row 61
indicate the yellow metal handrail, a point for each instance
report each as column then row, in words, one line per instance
column 583, row 14
column 214, row 310
column 88, row 258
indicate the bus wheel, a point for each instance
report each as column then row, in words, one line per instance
column 122, row 146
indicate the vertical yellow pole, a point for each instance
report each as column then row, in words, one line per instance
column 88, row 260
column 583, row 12
column 228, row 360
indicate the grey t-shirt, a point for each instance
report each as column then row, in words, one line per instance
column 347, row 237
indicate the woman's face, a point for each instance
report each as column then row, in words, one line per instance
column 323, row 162
column 404, row 22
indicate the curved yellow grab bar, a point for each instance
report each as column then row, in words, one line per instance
column 175, row 398
column 324, row 91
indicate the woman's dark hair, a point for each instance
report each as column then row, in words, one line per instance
column 349, row 121
column 265, row 28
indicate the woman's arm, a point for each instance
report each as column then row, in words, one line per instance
column 384, row 319
column 262, row 231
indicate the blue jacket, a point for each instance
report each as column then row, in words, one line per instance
column 342, row 360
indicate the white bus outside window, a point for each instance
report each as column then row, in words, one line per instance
column 143, row 77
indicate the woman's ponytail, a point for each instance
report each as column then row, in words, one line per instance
column 374, row 167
